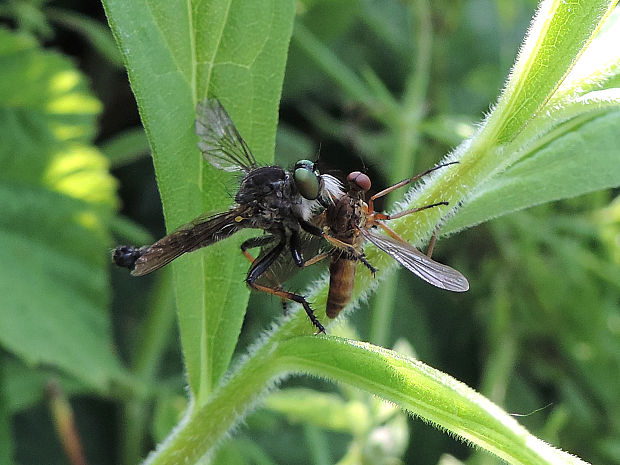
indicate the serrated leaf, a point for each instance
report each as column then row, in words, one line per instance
column 176, row 54
column 57, row 196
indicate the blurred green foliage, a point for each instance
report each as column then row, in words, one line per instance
column 539, row 332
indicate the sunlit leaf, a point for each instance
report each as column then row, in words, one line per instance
column 57, row 196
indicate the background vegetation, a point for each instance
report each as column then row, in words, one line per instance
column 538, row 333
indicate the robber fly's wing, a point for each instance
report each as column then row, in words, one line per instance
column 201, row 232
column 219, row 141
column 429, row 270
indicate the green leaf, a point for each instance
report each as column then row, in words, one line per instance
column 57, row 197
column 24, row 388
column 176, row 54
column 559, row 34
column 580, row 160
column 421, row 390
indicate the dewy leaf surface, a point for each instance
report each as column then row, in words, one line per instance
column 176, row 54
column 56, row 196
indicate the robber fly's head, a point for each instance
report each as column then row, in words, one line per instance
column 312, row 185
column 307, row 179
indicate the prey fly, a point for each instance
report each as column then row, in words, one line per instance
column 350, row 222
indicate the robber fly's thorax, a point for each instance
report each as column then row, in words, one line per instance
column 268, row 190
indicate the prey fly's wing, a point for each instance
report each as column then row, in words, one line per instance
column 429, row 270
column 201, row 232
column 219, row 141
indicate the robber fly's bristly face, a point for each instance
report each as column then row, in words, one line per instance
column 350, row 222
column 279, row 202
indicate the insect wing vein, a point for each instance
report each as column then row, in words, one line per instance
column 201, row 232
column 219, row 141
column 429, row 270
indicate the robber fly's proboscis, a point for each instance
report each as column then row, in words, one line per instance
column 280, row 202
column 350, row 222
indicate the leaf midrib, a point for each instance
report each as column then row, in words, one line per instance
column 206, row 358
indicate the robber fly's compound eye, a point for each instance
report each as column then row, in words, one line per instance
column 306, row 179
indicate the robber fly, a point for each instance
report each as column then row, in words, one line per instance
column 279, row 202
column 349, row 222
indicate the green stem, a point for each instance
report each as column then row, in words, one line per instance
column 157, row 330
column 207, row 426
column 414, row 386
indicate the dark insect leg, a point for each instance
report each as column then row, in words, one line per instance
column 261, row 266
column 262, row 241
column 295, row 248
column 310, row 228
column 254, row 242
column 298, row 258
column 372, row 269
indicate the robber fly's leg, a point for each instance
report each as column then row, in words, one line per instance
column 372, row 269
column 262, row 241
column 295, row 248
column 261, row 265
column 316, row 258
column 314, row 230
column 390, row 232
column 254, row 242
column 404, row 183
column 310, row 228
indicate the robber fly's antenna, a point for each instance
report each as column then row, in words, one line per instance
column 318, row 152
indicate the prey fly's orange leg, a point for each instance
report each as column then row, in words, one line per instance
column 349, row 249
column 403, row 183
column 374, row 218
